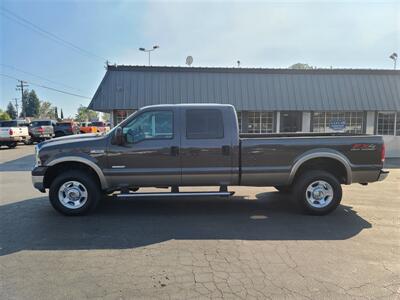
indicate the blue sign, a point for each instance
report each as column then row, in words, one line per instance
column 337, row 125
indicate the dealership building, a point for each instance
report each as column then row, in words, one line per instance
column 267, row 100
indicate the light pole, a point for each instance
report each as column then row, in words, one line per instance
column 149, row 50
column 394, row 57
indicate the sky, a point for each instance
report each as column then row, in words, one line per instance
column 338, row 34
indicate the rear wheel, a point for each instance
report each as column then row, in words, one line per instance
column 12, row 145
column 317, row 192
column 74, row 193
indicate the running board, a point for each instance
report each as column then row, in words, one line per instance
column 179, row 194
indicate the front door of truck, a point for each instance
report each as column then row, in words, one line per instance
column 149, row 155
column 206, row 147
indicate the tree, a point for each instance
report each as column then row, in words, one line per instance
column 46, row 111
column 62, row 115
column 30, row 104
column 300, row 66
column 11, row 111
column 106, row 117
column 4, row 116
column 84, row 114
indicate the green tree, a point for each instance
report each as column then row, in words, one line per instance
column 12, row 112
column 30, row 104
column 106, row 117
column 300, row 66
column 84, row 114
column 62, row 115
column 4, row 116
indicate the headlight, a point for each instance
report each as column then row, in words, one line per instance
column 37, row 159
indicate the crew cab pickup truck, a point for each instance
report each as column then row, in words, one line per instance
column 12, row 132
column 199, row 145
column 41, row 130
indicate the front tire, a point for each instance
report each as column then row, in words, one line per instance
column 74, row 193
column 317, row 192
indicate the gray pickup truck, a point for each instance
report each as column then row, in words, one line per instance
column 199, row 145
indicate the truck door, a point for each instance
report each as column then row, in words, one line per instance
column 206, row 147
column 150, row 153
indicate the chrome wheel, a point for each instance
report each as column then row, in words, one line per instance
column 319, row 194
column 72, row 194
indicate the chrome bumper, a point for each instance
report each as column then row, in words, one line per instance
column 382, row 175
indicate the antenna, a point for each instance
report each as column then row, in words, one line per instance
column 189, row 60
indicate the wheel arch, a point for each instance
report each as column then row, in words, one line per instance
column 326, row 156
column 76, row 161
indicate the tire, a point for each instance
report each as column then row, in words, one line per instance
column 12, row 145
column 317, row 192
column 284, row 188
column 80, row 184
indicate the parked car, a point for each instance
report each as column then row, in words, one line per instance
column 101, row 126
column 12, row 132
column 86, row 127
column 66, row 128
column 41, row 130
column 199, row 145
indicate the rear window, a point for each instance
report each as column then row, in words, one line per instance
column 64, row 124
column 204, row 124
column 8, row 124
column 41, row 123
column 97, row 124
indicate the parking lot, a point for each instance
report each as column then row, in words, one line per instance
column 254, row 245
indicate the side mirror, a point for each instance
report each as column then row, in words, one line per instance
column 118, row 137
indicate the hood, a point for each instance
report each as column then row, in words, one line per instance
column 71, row 139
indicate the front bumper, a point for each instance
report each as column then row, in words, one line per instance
column 38, row 178
column 382, row 175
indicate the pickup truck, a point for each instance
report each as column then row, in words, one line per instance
column 199, row 145
column 12, row 132
column 41, row 130
column 87, row 127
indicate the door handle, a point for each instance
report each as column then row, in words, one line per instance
column 226, row 150
column 174, row 150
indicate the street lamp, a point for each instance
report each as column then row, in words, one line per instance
column 149, row 50
column 394, row 57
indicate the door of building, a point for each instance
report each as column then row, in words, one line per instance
column 290, row 121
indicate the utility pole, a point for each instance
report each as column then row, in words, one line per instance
column 20, row 87
column 16, row 106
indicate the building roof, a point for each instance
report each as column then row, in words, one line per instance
column 132, row 87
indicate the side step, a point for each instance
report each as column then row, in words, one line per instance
column 179, row 194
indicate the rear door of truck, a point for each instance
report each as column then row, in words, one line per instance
column 207, row 148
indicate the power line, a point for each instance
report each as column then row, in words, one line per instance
column 47, row 87
column 24, row 22
column 38, row 76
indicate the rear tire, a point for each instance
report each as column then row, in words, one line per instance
column 74, row 193
column 317, row 192
column 12, row 145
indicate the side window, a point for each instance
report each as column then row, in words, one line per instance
column 149, row 125
column 204, row 124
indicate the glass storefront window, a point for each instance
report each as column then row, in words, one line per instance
column 349, row 122
column 120, row 115
column 386, row 123
column 260, row 122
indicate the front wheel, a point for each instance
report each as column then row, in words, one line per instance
column 317, row 192
column 74, row 193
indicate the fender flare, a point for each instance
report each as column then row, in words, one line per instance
column 89, row 163
column 322, row 154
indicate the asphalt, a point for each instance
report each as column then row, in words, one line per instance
column 252, row 246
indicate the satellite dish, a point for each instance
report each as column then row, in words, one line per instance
column 189, row 60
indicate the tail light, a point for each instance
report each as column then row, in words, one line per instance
column 41, row 129
column 383, row 153
column 10, row 131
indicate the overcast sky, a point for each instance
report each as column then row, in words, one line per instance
column 341, row 34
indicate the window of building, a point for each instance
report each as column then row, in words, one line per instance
column 239, row 117
column 387, row 123
column 121, row 115
column 349, row 122
column 149, row 125
column 204, row 124
column 260, row 122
